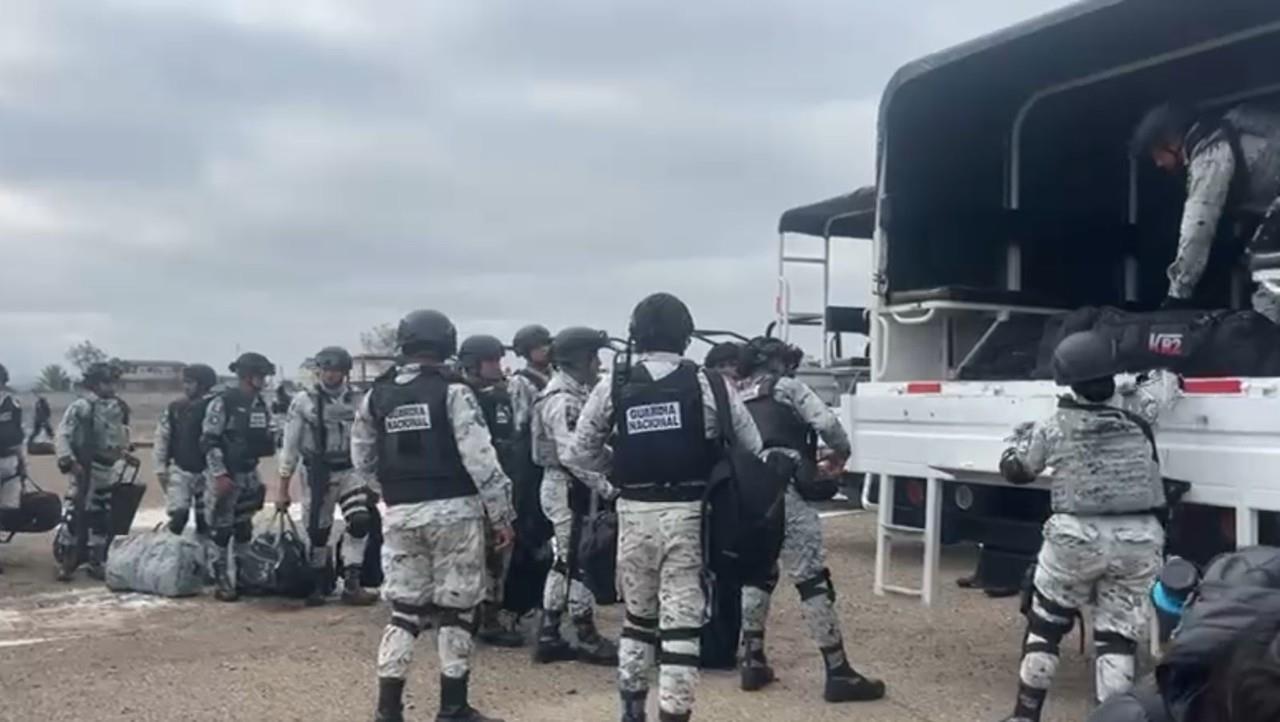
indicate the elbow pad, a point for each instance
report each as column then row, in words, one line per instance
column 1012, row 469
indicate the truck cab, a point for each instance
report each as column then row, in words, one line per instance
column 1005, row 194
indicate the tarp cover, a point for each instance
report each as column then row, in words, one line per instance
column 852, row 215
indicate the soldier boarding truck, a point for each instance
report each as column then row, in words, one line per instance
column 1005, row 194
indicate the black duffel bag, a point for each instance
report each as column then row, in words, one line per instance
column 597, row 540
column 38, row 510
column 1173, row 339
column 275, row 563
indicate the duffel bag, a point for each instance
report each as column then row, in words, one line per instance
column 155, row 562
column 598, row 553
column 275, row 563
column 38, row 510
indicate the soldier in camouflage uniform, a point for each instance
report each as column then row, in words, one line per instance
column 788, row 413
column 566, row 494
column 317, row 434
column 235, row 435
column 1103, row 545
column 95, row 432
column 176, row 454
column 533, row 344
column 667, row 442
column 12, row 457
column 480, row 360
column 420, row 438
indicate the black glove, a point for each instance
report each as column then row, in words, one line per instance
column 1012, row 470
column 1177, row 304
column 65, row 464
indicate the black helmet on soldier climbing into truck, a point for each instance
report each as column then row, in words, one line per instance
column 427, row 332
column 1164, row 124
column 575, row 346
column 530, row 337
column 480, row 347
column 251, row 363
column 1082, row 357
column 333, row 358
column 661, row 322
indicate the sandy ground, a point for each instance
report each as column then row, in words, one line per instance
column 79, row 652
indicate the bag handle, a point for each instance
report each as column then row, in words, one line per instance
column 720, row 393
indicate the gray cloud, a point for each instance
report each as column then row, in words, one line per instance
column 177, row 179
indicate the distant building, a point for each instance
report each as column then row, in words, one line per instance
column 150, row 375
column 367, row 367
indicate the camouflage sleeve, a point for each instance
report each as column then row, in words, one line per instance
column 523, row 394
column 1208, row 180
column 364, row 446
column 211, row 430
column 160, row 443
column 291, row 443
column 64, row 437
column 586, row 454
column 1151, row 397
column 564, row 415
column 816, row 414
column 475, row 446
column 1033, row 443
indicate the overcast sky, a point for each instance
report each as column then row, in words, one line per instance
column 181, row 178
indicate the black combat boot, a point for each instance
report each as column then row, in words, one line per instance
column 665, row 716
column 319, row 561
column 844, row 684
column 592, row 647
column 753, row 668
column 633, row 705
column 551, row 646
column 1029, row 704
column 226, row 590
column 390, row 704
column 453, row 702
column 493, row 632
column 96, row 568
column 353, row 592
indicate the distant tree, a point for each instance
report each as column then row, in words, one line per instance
column 379, row 340
column 53, row 378
column 85, row 353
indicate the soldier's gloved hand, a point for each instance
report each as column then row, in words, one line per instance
column 223, row 485
column 832, row 465
column 66, row 464
column 503, row 536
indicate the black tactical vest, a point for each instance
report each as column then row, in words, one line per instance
column 661, row 436
column 247, row 436
column 780, row 426
column 495, row 403
column 186, row 423
column 538, row 381
column 418, row 457
column 11, row 436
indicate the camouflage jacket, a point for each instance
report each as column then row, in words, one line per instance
column 107, row 440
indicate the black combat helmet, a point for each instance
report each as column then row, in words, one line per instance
column 1081, row 357
column 1159, row 125
column 530, row 337
column 723, row 354
column 4, row 375
column 251, row 363
column 100, row 371
column 574, row 346
column 427, row 331
column 204, row 376
column 481, row 347
column 333, row 358
column 661, row 322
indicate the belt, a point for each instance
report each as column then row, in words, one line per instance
column 105, row 460
column 332, row 466
column 686, row 491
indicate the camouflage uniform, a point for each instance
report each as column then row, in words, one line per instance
column 101, row 425
column 11, row 457
column 659, row 552
column 433, row 553
column 524, row 394
column 184, row 491
column 803, row 555
column 554, row 419
column 346, row 489
column 1103, row 546
column 1211, row 175
column 230, row 516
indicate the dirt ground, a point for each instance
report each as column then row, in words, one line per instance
column 80, row 652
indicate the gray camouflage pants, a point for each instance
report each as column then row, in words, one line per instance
column 804, row 559
column 437, row 571
column 554, row 498
column 10, row 482
column 186, row 492
column 659, row 571
column 1109, row 563
column 97, row 504
column 230, row 516
column 348, row 492
column 496, row 564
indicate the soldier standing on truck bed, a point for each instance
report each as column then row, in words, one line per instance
column 1104, row 541
column 790, row 416
column 1232, row 161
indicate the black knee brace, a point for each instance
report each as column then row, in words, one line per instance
column 98, row 522
column 319, row 537
column 1050, row 630
column 816, row 586
column 359, row 523
column 221, row 535
column 641, row 629
column 178, row 521
column 251, row 502
column 243, row 532
column 679, row 634
column 1107, row 642
column 464, row 619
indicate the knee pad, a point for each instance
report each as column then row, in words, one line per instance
column 221, row 536
column 98, row 522
column 817, row 586
column 641, row 629
column 252, row 501
column 178, row 521
column 1051, row 631
column 1106, row 642
column 359, row 523
column 319, row 537
column 678, row 659
column 464, row 619
column 243, row 532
